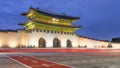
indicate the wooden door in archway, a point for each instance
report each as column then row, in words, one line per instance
column 69, row 43
column 56, row 43
column 42, row 43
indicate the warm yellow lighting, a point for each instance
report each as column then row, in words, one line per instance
column 12, row 44
column 39, row 17
column 29, row 23
column 30, row 14
column 55, row 20
column 0, row 43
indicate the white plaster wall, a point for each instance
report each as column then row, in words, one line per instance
column 12, row 40
column 9, row 39
column 115, row 45
column 22, row 37
column 3, row 38
column 85, row 41
column 101, row 44
column 34, row 36
column 91, row 43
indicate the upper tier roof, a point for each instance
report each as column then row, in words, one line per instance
column 53, row 14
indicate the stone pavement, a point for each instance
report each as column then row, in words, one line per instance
column 84, row 60
column 33, row 62
column 8, row 63
column 77, row 60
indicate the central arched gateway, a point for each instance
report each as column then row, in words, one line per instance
column 42, row 42
column 69, row 43
column 56, row 43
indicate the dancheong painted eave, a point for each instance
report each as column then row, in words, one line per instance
column 22, row 23
column 53, row 14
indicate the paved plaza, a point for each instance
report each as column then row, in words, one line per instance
column 83, row 60
column 57, row 59
column 5, row 62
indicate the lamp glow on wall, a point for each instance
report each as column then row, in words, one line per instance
column 12, row 44
column 0, row 43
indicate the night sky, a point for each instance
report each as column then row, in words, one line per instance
column 100, row 18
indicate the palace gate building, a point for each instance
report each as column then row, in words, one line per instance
column 45, row 29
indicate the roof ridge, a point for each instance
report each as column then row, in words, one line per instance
column 54, row 14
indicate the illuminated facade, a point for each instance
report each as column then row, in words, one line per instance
column 45, row 29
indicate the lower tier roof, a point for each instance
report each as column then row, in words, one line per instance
column 58, row 25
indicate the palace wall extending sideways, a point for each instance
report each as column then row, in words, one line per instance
column 92, row 43
column 23, row 38
column 12, row 39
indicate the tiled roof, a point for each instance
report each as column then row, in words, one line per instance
column 53, row 14
column 53, row 24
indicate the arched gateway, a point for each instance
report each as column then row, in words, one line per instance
column 69, row 43
column 56, row 43
column 41, row 42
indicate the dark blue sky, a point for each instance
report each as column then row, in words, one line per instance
column 100, row 18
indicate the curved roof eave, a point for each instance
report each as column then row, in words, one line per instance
column 53, row 14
